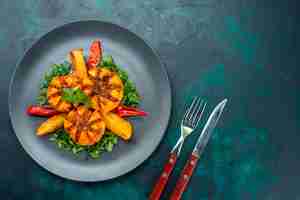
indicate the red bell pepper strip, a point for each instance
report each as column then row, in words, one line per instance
column 124, row 111
column 41, row 111
column 95, row 54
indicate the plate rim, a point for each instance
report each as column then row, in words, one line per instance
column 85, row 179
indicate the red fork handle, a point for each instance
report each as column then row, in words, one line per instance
column 163, row 179
column 184, row 178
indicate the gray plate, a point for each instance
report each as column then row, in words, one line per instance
column 131, row 53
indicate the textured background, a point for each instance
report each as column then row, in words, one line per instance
column 244, row 50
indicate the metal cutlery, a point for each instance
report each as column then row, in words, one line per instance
column 189, row 122
column 198, row 150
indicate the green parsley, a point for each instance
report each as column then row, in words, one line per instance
column 62, row 139
column 75, row 96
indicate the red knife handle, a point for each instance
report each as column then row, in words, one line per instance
column 184, row 178
column 163, row 179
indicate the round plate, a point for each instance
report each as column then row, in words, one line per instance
column 132, row 54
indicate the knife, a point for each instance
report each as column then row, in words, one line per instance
column 202, row 141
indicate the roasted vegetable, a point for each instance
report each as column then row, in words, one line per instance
column 95, row 54
column 86, row 103
column 55, row 91
column 107, row 89
column 118, row 125
column 131, row 96
column 55, row 70
column 50, row 125
column 64, row 91
column 85, row 127
column 41, row 111
column 124, row 111
column 78, row 62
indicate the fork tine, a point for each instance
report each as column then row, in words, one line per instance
column 199, row 115
column 202, row 111
column 194, row 110
column 187, row 112
column 196, row 114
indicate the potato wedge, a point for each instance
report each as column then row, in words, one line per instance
column 51, row 125
column 118, row 125
column 78, row 62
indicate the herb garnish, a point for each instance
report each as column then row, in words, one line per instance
column 75, row 96
column 62, row 139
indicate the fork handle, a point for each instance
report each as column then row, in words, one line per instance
column 185, row 176
column 163, row 179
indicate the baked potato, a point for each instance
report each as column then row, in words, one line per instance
column 78, row 62
column 51, row 125
column 119, row 126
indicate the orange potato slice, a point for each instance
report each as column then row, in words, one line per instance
column 50, row 125
column 118, row 125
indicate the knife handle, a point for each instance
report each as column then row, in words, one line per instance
column 185, row 176
column 163, row 179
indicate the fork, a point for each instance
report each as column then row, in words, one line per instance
column 189, row 122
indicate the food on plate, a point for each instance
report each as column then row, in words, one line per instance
column 87, row 102
column 56, row 90
column 78, row 62
column 55, row 70
column 125, row 111
column 95, row 55
column 118, row 125
column 107, row 89
column 51, row 125
column 86, row 127
column 42, row 111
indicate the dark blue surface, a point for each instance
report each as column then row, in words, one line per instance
column 244, row 50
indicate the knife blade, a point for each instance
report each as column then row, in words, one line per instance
column 208, row 128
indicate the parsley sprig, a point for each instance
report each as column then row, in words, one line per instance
column 62, row 139
column 75, row 96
